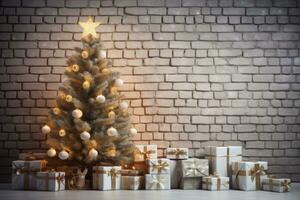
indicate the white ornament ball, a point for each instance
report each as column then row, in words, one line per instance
column 119, row 82
column 63, row 155
column 112, row 132
column 85, row 135
column 102, row 54
column 123, row 105
column 77, row 113
column 46, row 129
column 93, row 153
column 51, row 152
column 100, row 98
column 132, row 132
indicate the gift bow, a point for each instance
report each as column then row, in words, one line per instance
column 286, row 185
column 258, row 171
column 177, row 152
column 196, row 170
column 157, row 183
column 61, row 180
column 160, row 166
column 113, row 173
column 146, row 153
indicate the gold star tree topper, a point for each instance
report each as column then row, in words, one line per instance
column 89, row 27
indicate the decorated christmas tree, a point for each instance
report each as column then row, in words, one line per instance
column 90, row 123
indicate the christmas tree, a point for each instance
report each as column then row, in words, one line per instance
column 90, row 123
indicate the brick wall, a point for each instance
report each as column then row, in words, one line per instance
column 197, row 72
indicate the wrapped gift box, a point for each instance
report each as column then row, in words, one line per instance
column 221, row 158
column 177, row 153
column 157, row 181
column 276, row 184
column 215, row 183
column 131, row 172
column 159, row 166
column 175, row 173
column 107, row 177
column 192, row 170
column 145, row 152
column 24, row 173
column 132, row 182
column 74, row 177
column 248, row 175
column 50, row 181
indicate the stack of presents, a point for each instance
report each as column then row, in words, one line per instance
column 221, row 169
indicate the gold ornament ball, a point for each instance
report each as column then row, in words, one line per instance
column 51, row 152
column 84, row 54
column 62, row 133
column 56, row 111
column 105, row 71
column 75, row 68
column 46, row 129
column 111, row 153
column 86, row 85
column 114, row 90
column 111, row 114
column 69, row 98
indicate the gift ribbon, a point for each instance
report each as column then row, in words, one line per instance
column 255, row 173
column 194, row 170
column 60, row 180
column 26, row 170
column 177, row 152
column 146, row 153
column 113, row 173
column 159, row 166
column 157, row 182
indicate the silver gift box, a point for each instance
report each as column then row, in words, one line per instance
column 50, row 181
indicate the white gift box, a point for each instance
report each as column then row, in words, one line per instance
column 145, row 152
column 277, row 184
column 159, row 166
column 157, row 181
column 175, row 173
column 248, row 175
column 194, row 167
column 50, row 181
column 24, row 173
column 221, row 158
column 215, row 183
column 107, row 177
column 177, row 153
column 191, row 183
column 132, row 182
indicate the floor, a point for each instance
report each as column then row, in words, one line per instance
column 151, row 195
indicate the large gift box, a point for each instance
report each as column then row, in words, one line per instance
column 177, row 153
column 24, row 173
column 50, row 181
column 132, row 182
column 248, row 175
column 159, row 166
column 276, row 184
column 192, row 170
column 144, row 152
column 221, row 158
column 215, row 183
column 74, row 177
column 175, row 173
column 107, row 177
column 157, row 181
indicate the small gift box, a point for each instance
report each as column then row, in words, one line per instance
column 32, row 156
column 177, row 153
column 132, row 182
column 131, row 172
column 157, row 181
column 24, row 173
column 175, row 173
column 277, row 184
column 74, row 177
column 144, row 152
column 107, row 177
column 215, row 183
column 192, row 170
column 221, row 158
column 159, row 166
column 248, row 175
column 50, row 181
